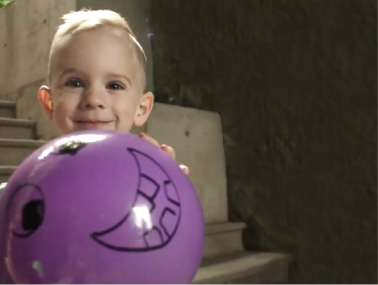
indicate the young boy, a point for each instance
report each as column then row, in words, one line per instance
column 97, row 76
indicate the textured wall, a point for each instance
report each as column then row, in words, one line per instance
column 295, row 84
column 26, row 30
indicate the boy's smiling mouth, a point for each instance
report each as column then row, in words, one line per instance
column 92, row 124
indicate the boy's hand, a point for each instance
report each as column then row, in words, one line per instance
column 169, row 150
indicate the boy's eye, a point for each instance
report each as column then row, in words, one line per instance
column 74, row 82
column 115, row 86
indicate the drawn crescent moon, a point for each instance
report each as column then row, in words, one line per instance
column 154, row 217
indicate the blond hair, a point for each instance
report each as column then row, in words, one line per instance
column 85, row 20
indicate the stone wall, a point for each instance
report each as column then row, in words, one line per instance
column 295, row 84
column 26, row 31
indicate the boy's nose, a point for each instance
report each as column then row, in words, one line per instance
column 93, row 100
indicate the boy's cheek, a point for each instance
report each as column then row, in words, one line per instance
column 62, row 110
column 58, row 116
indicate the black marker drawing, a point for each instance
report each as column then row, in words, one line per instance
column 71, row 147
column 156, row 192
column 159, row 185
column 31, row 213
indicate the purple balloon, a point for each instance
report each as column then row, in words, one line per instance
column 100, row 207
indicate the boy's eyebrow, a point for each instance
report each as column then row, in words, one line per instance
column 111, row 74
column 120, row 76
column 66, row 70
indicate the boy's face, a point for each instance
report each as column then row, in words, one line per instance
column 96, row 84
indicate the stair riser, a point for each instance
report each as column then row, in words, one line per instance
column 16, row 132
column 6, row 112
column 14, row 155
column 275, row 274
column 223, row 243
column 4, row 177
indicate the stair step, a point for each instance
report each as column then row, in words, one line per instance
column 14, row 151
column 16, row 128
column 7, row 109
column 245, row 268
column 223, row 238
column 6, row 172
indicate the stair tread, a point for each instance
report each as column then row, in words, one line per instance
column 5, row 169
column 238, row 265
column 20, row 122
column 7, row 104
column 221, row 227
column 21, row 142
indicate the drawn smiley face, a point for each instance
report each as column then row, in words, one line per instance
column 156, row 205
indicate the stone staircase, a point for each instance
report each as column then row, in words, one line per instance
column 224, row 260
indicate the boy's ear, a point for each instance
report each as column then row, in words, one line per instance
column 45, row 99
column 144, row 109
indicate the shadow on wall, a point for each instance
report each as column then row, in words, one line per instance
column 295, row 84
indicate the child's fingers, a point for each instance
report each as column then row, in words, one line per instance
column 149, row 139
column 170, row 151
column 185, row 169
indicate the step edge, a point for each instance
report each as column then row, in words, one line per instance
column 21, row 142
column 6, row 169
column 220, row 271
column 216, row 228
column 7, row 104
column 16, row 122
